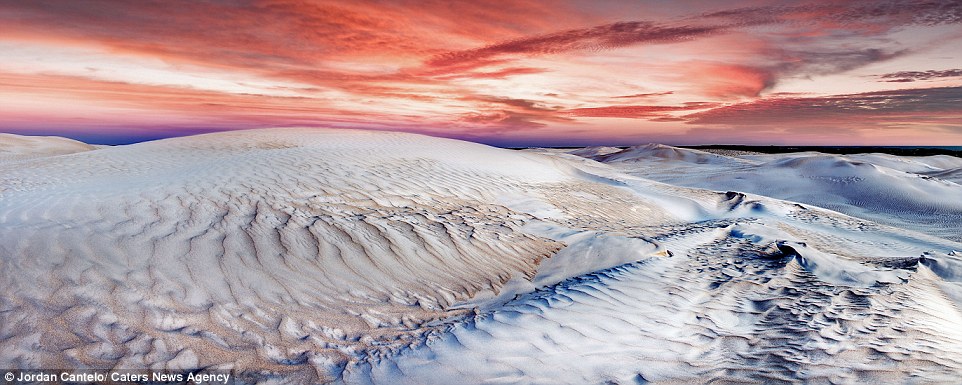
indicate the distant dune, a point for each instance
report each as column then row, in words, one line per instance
column 14, row 147
column 341, row 256
column 921, row 193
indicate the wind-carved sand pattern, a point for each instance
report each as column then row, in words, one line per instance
column 338, row 256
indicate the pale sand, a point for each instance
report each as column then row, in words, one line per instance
column 315, row 256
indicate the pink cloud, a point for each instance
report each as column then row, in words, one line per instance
column 485, row 67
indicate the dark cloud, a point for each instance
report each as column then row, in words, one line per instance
column 900, row 12
column 911, row 76
column 595, row 38
column 858, row 15
column 925, row 105
column 824, row 62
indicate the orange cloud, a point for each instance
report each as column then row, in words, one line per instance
column 725, row 81
column 639, row 112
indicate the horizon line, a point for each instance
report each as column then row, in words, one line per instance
column 113, row 139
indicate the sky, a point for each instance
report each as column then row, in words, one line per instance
column 507, row 73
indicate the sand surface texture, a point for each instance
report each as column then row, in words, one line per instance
column 338, row 256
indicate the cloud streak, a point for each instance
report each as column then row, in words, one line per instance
column 911, row 76
column 602, row 37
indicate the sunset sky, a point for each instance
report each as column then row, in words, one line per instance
column 508, row 73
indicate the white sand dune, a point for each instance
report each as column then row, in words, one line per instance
column 649, row 151
column 952, row 174
column 17, row 147
column 319, row 256
column 920, row 193
column 588, row 152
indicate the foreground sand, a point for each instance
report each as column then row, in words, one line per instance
column 316, row 256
